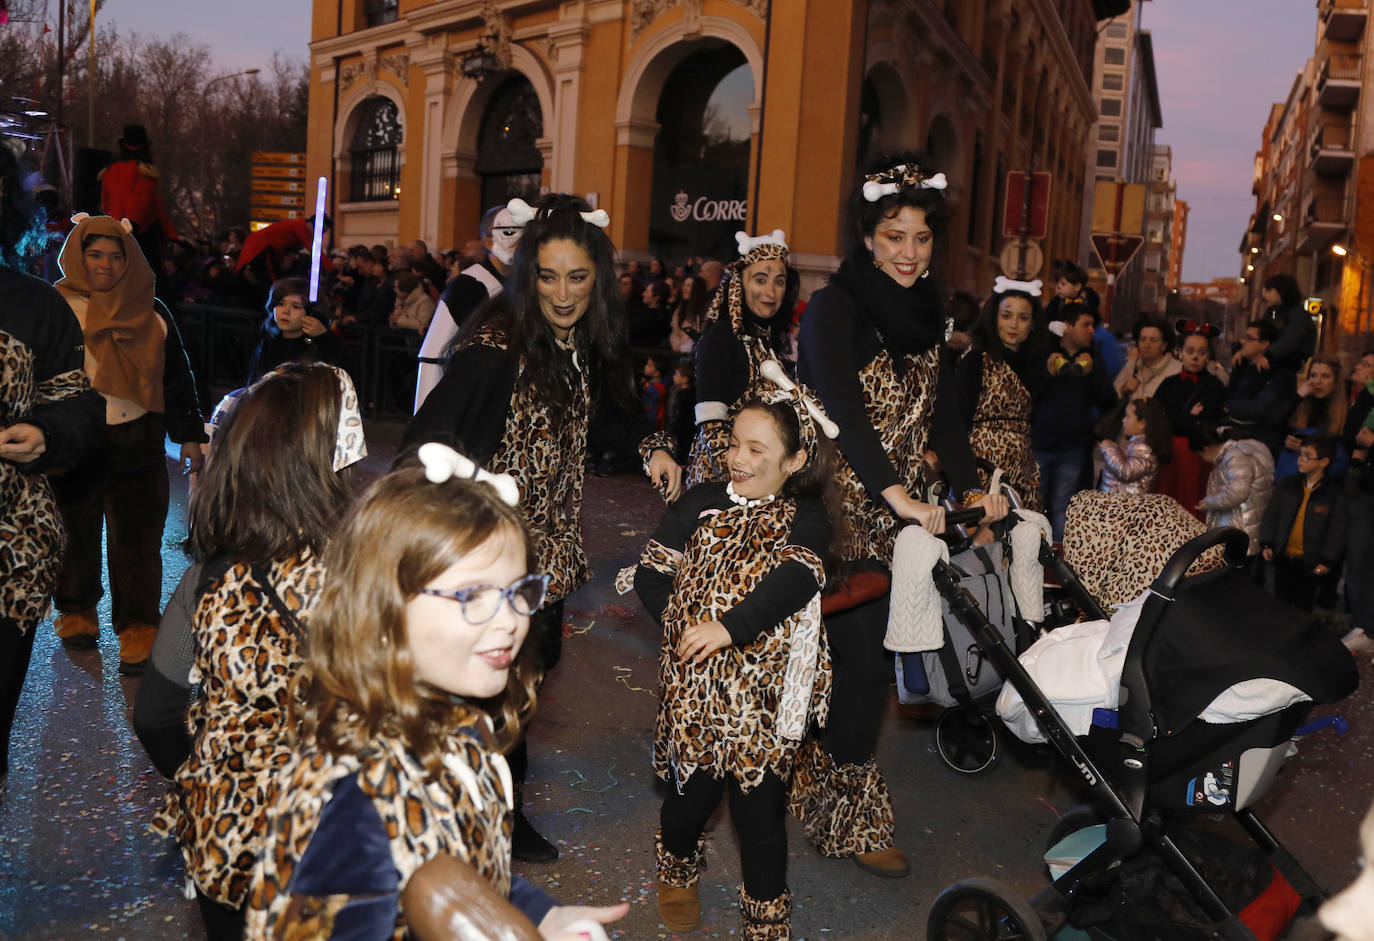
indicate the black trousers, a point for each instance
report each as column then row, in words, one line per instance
column 15, row 652
column 546, row 633
column 861, row 681
column 124, row 487
column 760, row 819
column 1295, row 584
column 222, row 923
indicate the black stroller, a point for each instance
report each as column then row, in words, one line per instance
column 1162, row 765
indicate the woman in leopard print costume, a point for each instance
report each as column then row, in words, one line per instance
column 268, row 502
column 418, row 678
column 528, row 370
column 871, row 346
column 1009, row 336
column 733, row 575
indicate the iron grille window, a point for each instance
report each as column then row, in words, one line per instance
column 378, row 12
column 375, row 152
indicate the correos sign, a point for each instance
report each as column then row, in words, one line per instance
column 705, row 209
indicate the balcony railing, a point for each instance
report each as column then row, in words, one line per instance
column 1338, row 81
column 1326, row 210
column 1343, row 19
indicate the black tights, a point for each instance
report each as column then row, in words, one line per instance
column 861, row 681
column 760, row 819
column 546, row 633
column 16, row 650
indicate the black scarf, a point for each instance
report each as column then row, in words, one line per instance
column 908, row 320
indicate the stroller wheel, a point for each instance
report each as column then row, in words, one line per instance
column 982, row 910
column 967, row 740
column 1071, row 821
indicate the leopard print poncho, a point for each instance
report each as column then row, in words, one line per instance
column 1001, row 430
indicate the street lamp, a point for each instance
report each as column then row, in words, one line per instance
column 1254, row 250
column 204, row 147
column 1278, row 217
column 1338, row 249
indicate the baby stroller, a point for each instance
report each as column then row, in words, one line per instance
column 1154, row 764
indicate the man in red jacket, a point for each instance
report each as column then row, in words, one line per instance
column 259, row 260
column 128, row 190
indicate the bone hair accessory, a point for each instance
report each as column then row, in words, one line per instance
column 1003, row 285
column 747, row 244
column 772, row 371
column 442, row 462
column 522, row 212
column 898, row 178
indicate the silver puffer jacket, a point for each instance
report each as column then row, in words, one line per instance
column 1241, row 485
column 1129, row 469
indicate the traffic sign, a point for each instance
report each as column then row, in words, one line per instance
column 1021, row 260
column 290, row 172
column 1116, row 249
column 273, row 199
column 276, row 215
column 271, row 156
column 1026, row 217
column 1118, row 207
column 278, row 186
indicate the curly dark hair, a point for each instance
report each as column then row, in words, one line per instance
column 864, row 216
column 984, row 333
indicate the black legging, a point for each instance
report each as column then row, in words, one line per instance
column 861, row 680
column 546, row 633
column 15, row 652
column 760, row 819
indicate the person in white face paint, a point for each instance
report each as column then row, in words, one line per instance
column 473, row 286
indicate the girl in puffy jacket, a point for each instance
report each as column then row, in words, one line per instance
column 1240, row 485
column 1133, row 466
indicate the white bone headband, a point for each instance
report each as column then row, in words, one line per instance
column 875, row 190
column 747, row 244
column 772, row 371
column 522, row 212
column 442, row 462
column 1003, row 285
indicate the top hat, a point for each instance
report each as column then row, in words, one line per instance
column 135, row 137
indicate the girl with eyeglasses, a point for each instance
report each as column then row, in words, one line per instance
column 418, row 679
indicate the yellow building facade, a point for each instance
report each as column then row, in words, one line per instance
column 613, row 100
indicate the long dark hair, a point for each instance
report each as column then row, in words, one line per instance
column 1290, row 295
column 1157, row 433
column 815, row 481
column 864, row 216
column 986, row 338
column 269, row 489
column 692, row 311
column 600, row 336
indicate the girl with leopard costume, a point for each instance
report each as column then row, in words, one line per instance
column 1009, row 337
column 871, row 345
column 418, row 678
column 747, row 325
column 527, row 371
column 733, row 575
column 268, row 501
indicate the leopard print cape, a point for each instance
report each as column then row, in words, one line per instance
column 247, row 656
column 1118, row 543
column 31, row 533
column 743, row 710
column 464, row 812
column 545, row 449
column 1001, row 431
column 901, row 409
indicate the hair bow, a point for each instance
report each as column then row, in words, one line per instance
column 442, row 462
column 1189, row 327
column 747, row 244
column 522, row 212
column 1003, row 285
column 772, row 371
column 901, row 177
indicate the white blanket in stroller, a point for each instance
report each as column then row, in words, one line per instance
column 1078, row 668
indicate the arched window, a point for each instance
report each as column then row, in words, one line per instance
column 508, row 157
column 375, row 152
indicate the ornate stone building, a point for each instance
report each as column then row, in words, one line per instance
column 688, row 119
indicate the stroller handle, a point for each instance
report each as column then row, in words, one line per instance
column 973, row 514
column 1237, row 545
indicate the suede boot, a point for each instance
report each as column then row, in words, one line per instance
column 679, row 907
column 766, row 920
column 78, row 630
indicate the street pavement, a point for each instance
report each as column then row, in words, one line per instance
column 77, row 860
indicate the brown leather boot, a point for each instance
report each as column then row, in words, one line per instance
column 78, row 630
column 135, row 646
column 679, row 906
column 890, row 862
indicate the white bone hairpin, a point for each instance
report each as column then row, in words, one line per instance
column 442, row 462
column 1003, row 285
column 522, row 212
column 772, row 371
column 747, row 244
column 874, row 190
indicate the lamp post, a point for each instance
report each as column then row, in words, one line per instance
column 204, row 146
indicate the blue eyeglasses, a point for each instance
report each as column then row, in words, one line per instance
column 480, row 603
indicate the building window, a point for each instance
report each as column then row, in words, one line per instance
column 375, row 152
column 509, row 162
column 1113, row 81
column 1111, row 106
column 1114, row 55
column 377, row 12
column 1152, row 261
column 1109, row 132
column 1117, row 30
column 1106, row 158
column 1149, row 292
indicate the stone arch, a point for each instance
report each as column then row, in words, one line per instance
column 888, row 88
column 463, row 116
column 348, row 107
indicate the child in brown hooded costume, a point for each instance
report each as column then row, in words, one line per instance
column 136, row 360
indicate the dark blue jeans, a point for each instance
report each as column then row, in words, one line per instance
column 1061, row 476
